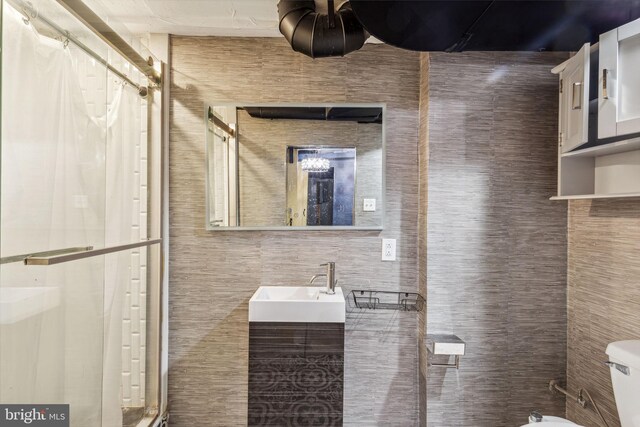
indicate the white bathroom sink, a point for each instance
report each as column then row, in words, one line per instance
column 305, row 304
column 19, row 303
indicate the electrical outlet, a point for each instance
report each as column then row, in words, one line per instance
column 369, row 205
column 388, row 249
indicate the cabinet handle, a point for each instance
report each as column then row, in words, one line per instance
column 605, row 95
column 573, row 96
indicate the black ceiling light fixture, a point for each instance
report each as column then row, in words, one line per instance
column 498, row 25
column 315, row 34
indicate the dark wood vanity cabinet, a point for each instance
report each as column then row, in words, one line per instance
column 296, row 374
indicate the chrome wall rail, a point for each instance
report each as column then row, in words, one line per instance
column 73, row 256
column 21, row 258
column 89, row 18
column 555, row 387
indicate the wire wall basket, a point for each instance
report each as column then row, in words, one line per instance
column 387, row 300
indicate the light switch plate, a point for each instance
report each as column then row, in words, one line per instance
column 388, row 249
column 369, row 205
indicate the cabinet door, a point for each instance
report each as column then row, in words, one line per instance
column 574, row 101
column 619, row 81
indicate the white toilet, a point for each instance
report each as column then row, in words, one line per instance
column 624, row 364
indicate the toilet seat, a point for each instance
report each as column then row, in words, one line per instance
column 549, row 421
column 552, row 424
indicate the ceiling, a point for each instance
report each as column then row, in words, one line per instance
column 249, row 18
column 503, row 25
column 427, row 25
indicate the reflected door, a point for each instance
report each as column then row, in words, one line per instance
column 320, row 200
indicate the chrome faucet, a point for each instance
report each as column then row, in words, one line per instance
column 330, row 275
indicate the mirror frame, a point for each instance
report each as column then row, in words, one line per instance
column 235, row 105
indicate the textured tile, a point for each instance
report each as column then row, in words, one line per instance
column 213, row 274
column 495, row 251
column 603, row 296
column 423, row 161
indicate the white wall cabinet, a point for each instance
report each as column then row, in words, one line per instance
column 574, row 100
column 600, row 90
column 619, row 82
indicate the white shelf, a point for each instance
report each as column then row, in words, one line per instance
column 595, row 196
column 606, row 149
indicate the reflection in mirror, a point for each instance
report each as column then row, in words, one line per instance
column 272, row 166
column 221, row 168
column 320, row 185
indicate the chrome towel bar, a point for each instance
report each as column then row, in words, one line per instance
column 21, row 258
column 57, row 259
column 57, row 256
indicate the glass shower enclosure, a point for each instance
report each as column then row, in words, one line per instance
column 80, row 239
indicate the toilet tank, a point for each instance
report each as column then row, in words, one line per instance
column 625, row 377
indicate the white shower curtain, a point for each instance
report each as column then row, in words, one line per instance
column 67, row 180
column 122, row 161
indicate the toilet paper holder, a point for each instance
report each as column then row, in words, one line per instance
column 447, row 345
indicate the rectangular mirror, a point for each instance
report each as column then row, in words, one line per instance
column 289, row 166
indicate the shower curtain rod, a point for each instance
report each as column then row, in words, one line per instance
column 23, row 8
column 90, row 19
